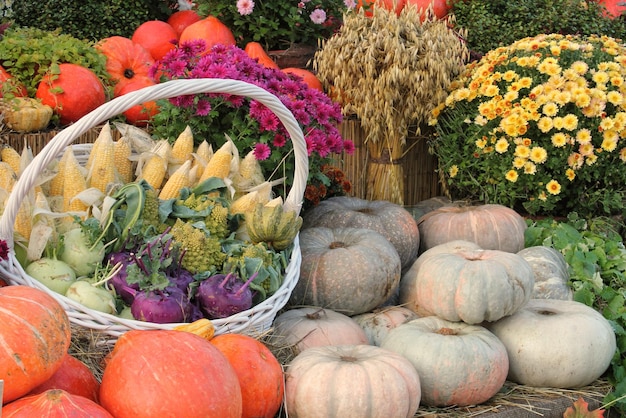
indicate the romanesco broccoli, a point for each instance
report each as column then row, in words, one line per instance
column 202, row 251
column 212, row 209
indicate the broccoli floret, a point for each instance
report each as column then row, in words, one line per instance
column 202, row 251
column 150, row 214
column 217, row 222
column 249, row 258
column 210, row 208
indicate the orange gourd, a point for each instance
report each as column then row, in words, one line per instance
column 307, row 76
column 440, row 8
column 181, row 19
column 73, row 377
column 126, row 59
column 168, row 373
column 211, row 30
column 396, row 5
column 260, row 374
column 72, row 93
column 10, row 85
column 141, row 114
column 255, row 50
column 34, row 337
column 156, row 36
column 54, row 403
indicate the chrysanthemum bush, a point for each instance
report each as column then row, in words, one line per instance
column 251, row 125
column 539, row 126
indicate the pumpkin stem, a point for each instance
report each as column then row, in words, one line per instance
column 349, row 359
column 315, row 315
column 337, row 244
column 128, row 73
column 544, row 312
column 446, row 331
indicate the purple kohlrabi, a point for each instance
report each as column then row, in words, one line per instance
column 223, row 295
column 170, row 305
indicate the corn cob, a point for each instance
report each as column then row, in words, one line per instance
column 123, row 163
column 250, row 173
column 102, row 168
column 8, row 177
column 9, row 155
column 105, row 132
column 74, row 182
column 182, row 147
column 23, row 225
column 220, row 163
column 56, row 183
column 178, row 180
column 154, row 164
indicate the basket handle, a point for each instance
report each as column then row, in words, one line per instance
column 163, row 90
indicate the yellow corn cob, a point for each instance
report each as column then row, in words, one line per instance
column 102, row 170
column 245, row 203
column 250, row 173
column 201, row 157
column 123, row 163
column 177, row 181
column 153, row 171
column 219, row 164
column 105, row 133
column 23, row 225
column 9, row 155
column 74, row 182
column 183, row 146
column 8, row 177
column 202, row 327
column 56, row 183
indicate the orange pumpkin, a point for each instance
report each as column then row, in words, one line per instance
column 141, row 114
column 307, row 76
column 125, row 58
column 54, row 403
column 211, row 30
column 156, row 36
column 396, row 5
column 440, row 8
column 168, row 373
column 72, row 93
column 614, row 8
column 73, row 377
column 260, row 374
column 181, row 19
column 9, row 84
column 255, row 50
column 34, row 337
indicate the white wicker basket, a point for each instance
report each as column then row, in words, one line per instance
column 253, row 321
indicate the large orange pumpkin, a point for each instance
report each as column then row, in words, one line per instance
column 156, row 36
column 396, row 5
column 211, row 30
column 167, row 373
column 34, row 337
column 440, row 8
column 72, row 93
column 141, row 114
column 182, row 18
column 73, row 377
column 126, row 59
column 260, row 374
column 54, row 403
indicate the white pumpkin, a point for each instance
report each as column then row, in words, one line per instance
column 379, row 322
column 551, row 272
column 556, row 343
column 351, row 381
column 458, row 364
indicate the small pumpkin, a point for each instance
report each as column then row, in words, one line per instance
column 308, row 77
column 306, row 327
column 180, row 19
column 35, row 335
column 256, row 51
column 350, row 270
column 157, row 37
column 458, row 364
column 160, row 373
column 473, row 285
column 141, row 114
column 211, row 30
column 551, row 272
column 260, row 373
column 556, row 343
column 74, row 377
column 379, row 322
column 351, row 381
column 125, row 59
column 388, row 219
column 24, row 114
column 10, row 85
column 54, row 403
column 491, row 226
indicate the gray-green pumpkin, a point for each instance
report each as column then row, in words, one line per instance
column 349, row 270
column 551, row 272
column 388, row 219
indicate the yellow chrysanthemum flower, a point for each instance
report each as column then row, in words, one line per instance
column 583, row 136
column 570, row 174
column 511, row 176
column 553, row 187
column 591, row 159
column 545, row 124
column 559, row 139
column 580, row 67
column 454, row 170
column 502, row 145
column 522, row 151
column 481, row 143
column 600, row 77
column 570, row 122
column 519, row 162
column 586, row 148
column 530, row 168
column 609, row 144
column 538, row 155
column 550, row 109
column 614, row 98
column 558, row 122
column 622, row 154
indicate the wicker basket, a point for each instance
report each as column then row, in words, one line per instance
column 253, row 321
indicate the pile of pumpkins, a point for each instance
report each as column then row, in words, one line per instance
column 393, row 310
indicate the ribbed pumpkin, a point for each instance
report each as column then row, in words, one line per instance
column 307, row 327
column 54, row 403
column 551, row 272
column 125, row 59
column 34, row 337
column 471, row 285
column 351, row 381
column 351, row 270
column 492, row 227
column 166, row 373
column 24, row 114
column 389, row 219
column 556, row 343
column 458, row 364
column 379, row 322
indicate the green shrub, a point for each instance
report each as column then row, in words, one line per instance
column 494, row 23
column 90, row 19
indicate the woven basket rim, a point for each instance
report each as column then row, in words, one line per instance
column 253, row 321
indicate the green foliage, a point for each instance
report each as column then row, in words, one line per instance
column 595, row 253
column 90, row 19
column 28, row 53
column 494, row 23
